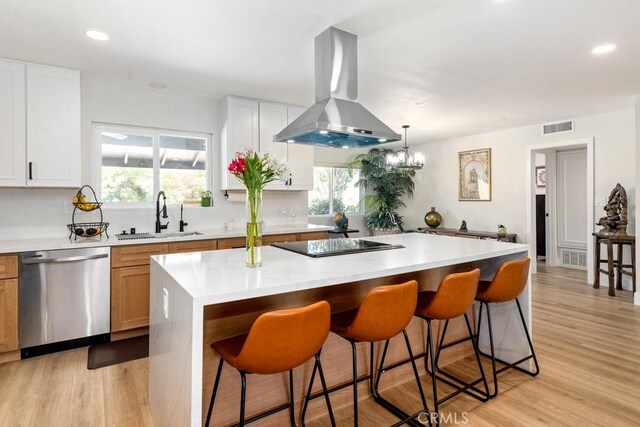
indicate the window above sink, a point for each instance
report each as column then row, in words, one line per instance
column 136, row 162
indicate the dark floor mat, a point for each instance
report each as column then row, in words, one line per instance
column 112, row 353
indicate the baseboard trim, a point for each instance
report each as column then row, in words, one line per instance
column 9, row 356
column 123, row 335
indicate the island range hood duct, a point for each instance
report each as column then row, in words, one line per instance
column 337, row 119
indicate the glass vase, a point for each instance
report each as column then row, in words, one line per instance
column 253, row 246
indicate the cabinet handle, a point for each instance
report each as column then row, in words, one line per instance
column 31, row 170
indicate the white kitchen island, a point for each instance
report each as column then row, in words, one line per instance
column 209, row 296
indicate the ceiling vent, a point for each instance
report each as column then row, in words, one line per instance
column 559, row 127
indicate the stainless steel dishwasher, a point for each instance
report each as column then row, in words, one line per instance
column 64, row 299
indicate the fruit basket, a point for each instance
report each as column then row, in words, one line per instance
column 93, row 225
column 88, row 229
column 87, row 206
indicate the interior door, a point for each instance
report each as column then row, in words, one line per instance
column 541, row 225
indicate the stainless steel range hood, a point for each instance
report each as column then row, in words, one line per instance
column 337, row 119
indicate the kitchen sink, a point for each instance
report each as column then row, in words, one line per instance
column 145, row 236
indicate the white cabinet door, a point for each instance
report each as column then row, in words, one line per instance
column 239, row 119
column 12, row 124
column 53, row 127
column 273, row 118
column 300, row 157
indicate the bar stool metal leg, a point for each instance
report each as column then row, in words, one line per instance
column 354, row 354
column 317, row 367
column 243, row 396
column 410, row 419
column 460, row 385
column 507, row 364
column 430, row 353
column 214, row 392
column 292, row 414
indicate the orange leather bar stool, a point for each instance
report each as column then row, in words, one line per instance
column 384, row 313
column 452, row 299
column 509, row 282
column 277, row 342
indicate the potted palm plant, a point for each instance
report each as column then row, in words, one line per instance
column 387, row 188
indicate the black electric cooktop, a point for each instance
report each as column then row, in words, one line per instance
column 332, row 247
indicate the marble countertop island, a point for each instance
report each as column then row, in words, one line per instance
column 184, row 286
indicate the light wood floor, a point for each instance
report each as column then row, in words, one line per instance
column 588, row 345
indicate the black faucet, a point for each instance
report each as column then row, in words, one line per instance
column 160, row 227
column 182, row 223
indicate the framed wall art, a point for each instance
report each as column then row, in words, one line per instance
column 541, row 177
column 474, row 175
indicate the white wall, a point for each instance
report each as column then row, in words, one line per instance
column 436, row 183
column 615, row 143
column 637, row 228
column 40, row 212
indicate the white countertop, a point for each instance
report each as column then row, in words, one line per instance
column 39, row 244
column 221, row 276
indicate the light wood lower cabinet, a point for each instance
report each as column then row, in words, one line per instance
column 130, row 280
column 130, row 273
column 315, row 235
column 280, row 238
column 8, row 266
column 192, row 246
column 9, row 308
column 8, row 315
column 129, row 298
column 232, row 243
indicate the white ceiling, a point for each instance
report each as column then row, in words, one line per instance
column 481, row 65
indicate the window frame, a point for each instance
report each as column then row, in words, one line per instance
column 154, row 134
column 331, row 212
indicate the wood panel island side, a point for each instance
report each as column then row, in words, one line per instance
column 197, row 298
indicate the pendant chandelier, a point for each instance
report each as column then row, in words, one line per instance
column 401, row 159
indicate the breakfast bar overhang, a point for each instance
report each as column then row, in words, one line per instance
column 198, row 298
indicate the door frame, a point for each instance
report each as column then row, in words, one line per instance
column 589, row 144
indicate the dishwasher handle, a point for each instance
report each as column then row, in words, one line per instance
column 36, row 260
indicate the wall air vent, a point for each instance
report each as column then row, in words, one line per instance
column 574, row 258
column 559, row 127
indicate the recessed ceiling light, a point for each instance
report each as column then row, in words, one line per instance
column 97, row 35
column 419, row 103
column 602, row 49
column 158, row 85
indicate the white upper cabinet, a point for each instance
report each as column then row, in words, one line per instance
column 300, row 157
column 53, row 127
column 12, row 124
column 273, row 118
column 246, row 122
column 39, row 126
column 239, row 129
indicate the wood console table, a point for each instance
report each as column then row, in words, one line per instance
column 482, row 235
column 614, row 266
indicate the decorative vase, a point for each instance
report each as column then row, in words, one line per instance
column 253, row 246
column 433, row 219
column 205, row 202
